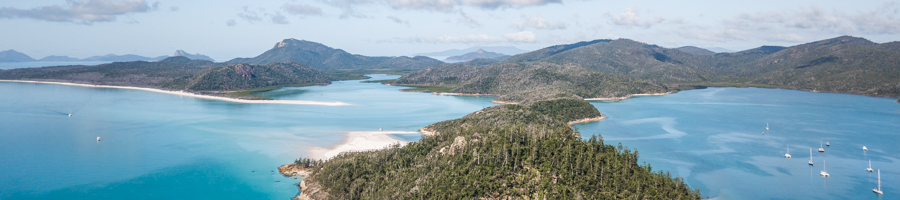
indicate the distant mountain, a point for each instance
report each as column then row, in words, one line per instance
column 192, row 56
column 59, row 58
column 720, row 50
column 319, row 56
column 695, row 50
column 123, row 58
column 14, row 56
column 508, row 50
column 480, row 53
column 844, row 64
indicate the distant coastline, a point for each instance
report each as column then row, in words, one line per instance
column 188, row 94
column 359, row 141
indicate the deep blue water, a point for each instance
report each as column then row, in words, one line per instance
column 160, row 146
column 713, row 138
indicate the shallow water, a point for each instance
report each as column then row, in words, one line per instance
column 713, row 138
column 161, row 146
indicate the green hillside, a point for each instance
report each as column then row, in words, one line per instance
column 531, row 80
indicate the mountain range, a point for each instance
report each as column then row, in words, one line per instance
column 844, row 64
column 508, row 50
column 323, row 57
column 15, row 56
column 480, row 53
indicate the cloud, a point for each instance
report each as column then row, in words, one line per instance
column 881, row 20
column 81, row 12
column 536, row 22
column 398, row 20
column 249, row 15
column 630, row 18
column 469, row 21
column 519, row 37
column 230, row 22
column 278, row 18
column 301, row 9
column 435, row 5
column 787, row 37
column 524, row 36
column 174, row 8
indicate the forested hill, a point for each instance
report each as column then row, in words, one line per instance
column 515, row 151
column 180, row 73
column 532, row 80
column 843, row 64
column 322, row 57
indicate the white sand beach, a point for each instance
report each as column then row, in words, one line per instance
column 360, row 141
column 625, row 97
column 188, row 94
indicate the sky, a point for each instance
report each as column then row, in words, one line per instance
column 228, row 29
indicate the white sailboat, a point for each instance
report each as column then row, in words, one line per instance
column 870, row 166
column 767, row 126
column 810, row 156
column 878, row 190
column 820, row 147
column 865, row 149
column 788, row 154
column 823, row 173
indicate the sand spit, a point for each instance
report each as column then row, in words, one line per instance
column 626, row 96
column 360, row 141
column 188, row 94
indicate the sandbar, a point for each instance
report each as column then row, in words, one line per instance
column 360, row 141
column 188, row 94
column 626, row 96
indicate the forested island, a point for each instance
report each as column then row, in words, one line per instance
column 514, row 151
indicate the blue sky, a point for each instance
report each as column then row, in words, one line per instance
column 229, row 29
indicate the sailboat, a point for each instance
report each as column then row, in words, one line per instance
column 810, row 156
column 828, row 144
column 820, row 147
column 878, row 190
column 823, row 172
column 767, row 126
column 865, row 149
column 870, row 166
column 788, row 154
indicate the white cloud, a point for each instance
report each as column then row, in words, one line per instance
column 787, row 37
column 524, row 36
column 436, row 5
column 469, row 21
column 536, row 22
column 249, row 15
column 398, row 20
column 630, row 18
column 278, row 18
column 881, row 20
column 301, row 9
column 82, row 12
column 230, row 22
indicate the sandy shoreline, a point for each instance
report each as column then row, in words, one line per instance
column 359, row 141
column 188, row 94
column 625, row 97
column 592, row 119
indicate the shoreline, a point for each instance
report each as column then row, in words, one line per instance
column 358, row 141
column 586, row 120
column 626, row 96
column 188, row 94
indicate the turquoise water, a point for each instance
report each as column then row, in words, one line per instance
column 13, row 65
column 160, row 146
column 713, row 138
